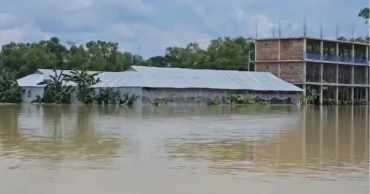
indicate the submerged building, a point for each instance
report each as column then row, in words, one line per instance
column 179, row 86
column 337, row 70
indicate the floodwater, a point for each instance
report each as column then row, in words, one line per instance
column 76, row 149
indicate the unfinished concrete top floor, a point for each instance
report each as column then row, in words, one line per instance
column 312, row 49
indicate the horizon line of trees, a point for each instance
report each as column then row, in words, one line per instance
column 22, row 59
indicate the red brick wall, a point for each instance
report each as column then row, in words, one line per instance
column 292, row 72
column 291, row 49
column 268, row 67
column 267, row 50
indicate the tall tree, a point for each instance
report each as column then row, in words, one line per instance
column 364, row 13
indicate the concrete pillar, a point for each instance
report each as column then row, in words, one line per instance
column 321, row 81
column 304, row 86
column 353, row 53
column 367, row 83
column 304, row 72
column 279, row 70
column 352, row 82
column 255, row 53
column 321, row 94
column 337, row 73
column 304, row 45
column 321, row 50
column 279, row 53
column 336, row 81
column 336, row 95
column 321, row 72
column 367, row 53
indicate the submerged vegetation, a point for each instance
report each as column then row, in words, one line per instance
column 308, row 97
column 10, row 91
column 110, row 96
column 85, row 94
column 55, row 91
column 239, row 100
column 213, row 100
column 164, row 100
column 58, row 92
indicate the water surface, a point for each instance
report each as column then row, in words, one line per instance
column 166, row 150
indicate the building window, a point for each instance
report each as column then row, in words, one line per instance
column 29, row 93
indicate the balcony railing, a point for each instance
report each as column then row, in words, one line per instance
column 312, row 56
column 318, row 57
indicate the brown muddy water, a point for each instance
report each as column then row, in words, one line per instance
column 167, row 150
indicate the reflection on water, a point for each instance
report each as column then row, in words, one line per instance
column 53, row 133
column 78, row 149
column 322, row 140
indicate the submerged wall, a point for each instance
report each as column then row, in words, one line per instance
column 191, row 96
column 29, row 94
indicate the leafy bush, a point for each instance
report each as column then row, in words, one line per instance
column 10, row 92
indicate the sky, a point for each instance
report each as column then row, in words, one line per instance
column 147, row 27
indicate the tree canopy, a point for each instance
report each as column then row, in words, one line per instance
column 26, row 58
column 364, row 13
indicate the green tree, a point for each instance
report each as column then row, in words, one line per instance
column 230, row 53
column 192, row 56
column 222, row 53
column 9, row 88
column 77, row 57
column 26, row 58
column 364, row 13
column 83, row 80
column 56, row 90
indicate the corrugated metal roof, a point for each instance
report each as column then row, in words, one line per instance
column 160, row 77
column 42, row 74
column 119, row 79
column 31, row 80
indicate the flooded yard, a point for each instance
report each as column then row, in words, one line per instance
column 166, row 150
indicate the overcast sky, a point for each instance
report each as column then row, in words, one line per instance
column 149, row 26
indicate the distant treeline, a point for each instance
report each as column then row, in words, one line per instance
column 25, row 58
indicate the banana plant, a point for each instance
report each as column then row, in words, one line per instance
column 55, row 89
column 109, row 96
column 83, row 80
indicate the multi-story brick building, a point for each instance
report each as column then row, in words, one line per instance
column 337, row 70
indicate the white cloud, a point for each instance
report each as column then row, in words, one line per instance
column 6, row 19
column 22, row 33
column 237, row 14
column 151, row 27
